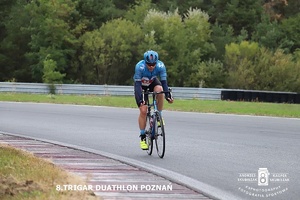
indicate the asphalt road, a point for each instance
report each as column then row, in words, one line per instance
column 221, row 151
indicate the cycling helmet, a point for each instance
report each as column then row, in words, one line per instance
column 150, row 57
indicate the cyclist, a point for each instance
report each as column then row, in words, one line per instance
column 146, row 76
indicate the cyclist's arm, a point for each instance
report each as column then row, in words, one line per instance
column 138, row 91
column 138, row 82
column 164, row 83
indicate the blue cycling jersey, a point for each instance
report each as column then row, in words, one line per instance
column 145, row 76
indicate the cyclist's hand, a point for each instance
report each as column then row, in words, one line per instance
column 170, row 100
column 142, row 103
column 169, row 96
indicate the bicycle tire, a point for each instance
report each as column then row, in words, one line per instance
column 160, row 136
column 149, row 139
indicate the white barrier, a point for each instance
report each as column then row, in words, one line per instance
column 114, row 90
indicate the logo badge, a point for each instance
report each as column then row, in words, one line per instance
column 263, row 183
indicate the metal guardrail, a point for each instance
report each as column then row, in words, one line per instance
column 114, row 90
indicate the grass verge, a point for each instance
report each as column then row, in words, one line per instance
column 26, row 177
column 205, row 106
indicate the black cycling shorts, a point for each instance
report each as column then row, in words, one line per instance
column 151, row 88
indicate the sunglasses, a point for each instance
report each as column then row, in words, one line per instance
column 151, row 64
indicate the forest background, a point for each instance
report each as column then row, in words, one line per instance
column 241, row 44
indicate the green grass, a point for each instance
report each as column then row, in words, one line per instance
column 205, row 106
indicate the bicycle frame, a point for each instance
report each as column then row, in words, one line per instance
column 154, row 95
column 150, row 105
column 152, row 115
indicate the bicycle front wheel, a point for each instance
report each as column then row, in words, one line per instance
column 149, row 138
column 160, row 136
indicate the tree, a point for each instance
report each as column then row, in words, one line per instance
column 183, row 41
column 14, row 42
column 181, row 5
column 290, row 29
column 168, row 32
column 123, row 5
column 5, row 7
column 269, row 34
column 239, row 64
column 283, row 72
column 240, row 14
column 51, row 76
column 296, row 84
column 210, row 74
column 51, row 34
column 292, row 8
column 90, row 72
column 94, row 12
column 275, row 8
column 138, row 12
column 111, row 51
column 258, row 68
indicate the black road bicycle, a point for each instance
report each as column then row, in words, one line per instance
column 155, row 130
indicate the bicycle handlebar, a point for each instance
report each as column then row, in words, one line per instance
column 148, row 92
column 156, row 93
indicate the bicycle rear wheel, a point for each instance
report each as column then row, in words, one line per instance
column 149, row 139
column 160, row 137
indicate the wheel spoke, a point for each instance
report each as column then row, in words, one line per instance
column 160, row 137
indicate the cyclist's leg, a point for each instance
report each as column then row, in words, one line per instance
column 142, row 118
column 143, row 112
column 157, row 87
column 142, row 122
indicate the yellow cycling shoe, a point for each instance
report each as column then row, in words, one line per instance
column 143, row 144
column 158, row 122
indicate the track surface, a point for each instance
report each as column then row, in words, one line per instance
column 212, row 149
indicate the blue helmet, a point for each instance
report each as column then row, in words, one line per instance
column 150, row 57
